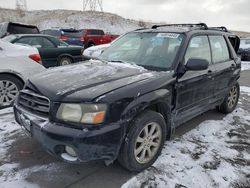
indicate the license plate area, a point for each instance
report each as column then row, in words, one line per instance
column 25, row 122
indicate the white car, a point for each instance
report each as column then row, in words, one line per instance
column 17, row 63
column 95, row 51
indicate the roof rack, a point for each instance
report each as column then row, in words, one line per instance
column 201, row 25
column 222, row 28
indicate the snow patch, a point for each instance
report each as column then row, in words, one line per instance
column 209, row 156
column 245, row 65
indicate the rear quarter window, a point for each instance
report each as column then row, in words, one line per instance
column 220, row 51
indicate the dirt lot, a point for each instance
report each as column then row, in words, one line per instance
column 211, row 150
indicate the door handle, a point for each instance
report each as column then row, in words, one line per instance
column 209, row 73
column 233, row 66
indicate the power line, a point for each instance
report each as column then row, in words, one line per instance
column 92, row 5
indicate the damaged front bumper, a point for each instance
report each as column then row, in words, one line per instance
column 72, row 145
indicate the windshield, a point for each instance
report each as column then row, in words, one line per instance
column 150, row 50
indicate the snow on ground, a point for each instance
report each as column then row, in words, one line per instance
column 215, row 154
column 245, row 65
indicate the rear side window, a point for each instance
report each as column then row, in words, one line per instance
column 219, row 48
column 34, row 41
column 198, row 48
column 19, row 29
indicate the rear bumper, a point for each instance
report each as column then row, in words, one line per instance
column 102, row 144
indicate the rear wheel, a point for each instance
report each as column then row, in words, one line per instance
column 65, row 61
column 231, row 100
column 144, row 142
column 9, row 89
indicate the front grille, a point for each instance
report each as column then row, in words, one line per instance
column 34, row 103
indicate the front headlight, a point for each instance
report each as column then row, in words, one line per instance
column 82, row 113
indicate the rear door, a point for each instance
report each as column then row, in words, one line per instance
column 224, row 63
column 194, row 90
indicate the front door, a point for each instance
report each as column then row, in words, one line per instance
column 194, row 89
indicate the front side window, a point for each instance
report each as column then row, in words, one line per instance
column 219, row 48
column 150, row 50
column 198, row 48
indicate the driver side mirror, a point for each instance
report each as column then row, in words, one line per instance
column 196, row 64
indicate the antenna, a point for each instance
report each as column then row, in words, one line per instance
column 92, row 5
column 21, row 5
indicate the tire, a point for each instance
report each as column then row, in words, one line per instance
column 231, row 100
column 90, row 44
column 10, row 87
column 128, row 157
column 65, row 61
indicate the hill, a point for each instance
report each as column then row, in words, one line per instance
column 110, row 23
column 72, row 19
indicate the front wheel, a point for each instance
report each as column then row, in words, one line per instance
column 144, row 142
column 231, row 100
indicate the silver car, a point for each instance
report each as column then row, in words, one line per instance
column 17, row 63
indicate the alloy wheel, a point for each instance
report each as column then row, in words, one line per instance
column 8, row 92
column 232, row 98
column 148, row 142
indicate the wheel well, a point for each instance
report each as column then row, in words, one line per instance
column 13, row 75
column 164, row 111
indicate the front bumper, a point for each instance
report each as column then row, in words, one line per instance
column 100, row 144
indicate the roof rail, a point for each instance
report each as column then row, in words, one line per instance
column 222, row 28
column 201, row 25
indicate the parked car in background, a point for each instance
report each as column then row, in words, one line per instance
column 17, row 63
column 93, row 37
column 95, row 51
column 126, row 104
column 53, row 51
column 244, row 50
column 70, row 36
column 8, row 28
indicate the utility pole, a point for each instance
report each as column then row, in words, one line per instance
column 92, row 5
column 21, row 5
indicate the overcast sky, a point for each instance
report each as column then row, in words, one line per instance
column 233, row 14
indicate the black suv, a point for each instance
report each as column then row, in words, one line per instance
column 127, row 103
column 8, row 28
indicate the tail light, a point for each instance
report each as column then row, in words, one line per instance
column 82, row 39
column 63, row 38
column 36, row 57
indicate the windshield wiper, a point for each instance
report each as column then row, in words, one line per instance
column 117, row 61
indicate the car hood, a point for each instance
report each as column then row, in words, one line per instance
column 87, row 81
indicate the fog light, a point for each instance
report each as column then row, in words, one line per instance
column 69, row 154
column 70, row 151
